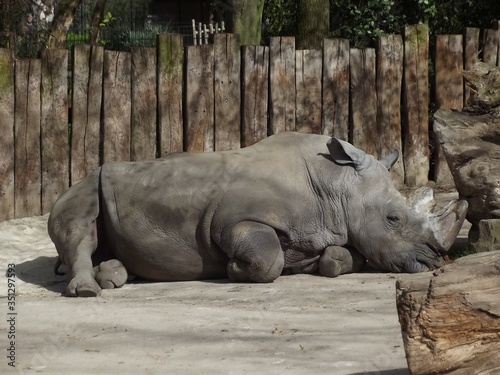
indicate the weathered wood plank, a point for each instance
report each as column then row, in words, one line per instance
column 336, row 88
column 364, row 99
column 227, row 91
column 491, row 41
column 308, row 82
column 54, row 126
column 86, row 110
column 389, row 84
column 449, row 91
column 416, row 105
column 199, row 115
column 471, row 53
column 117, row 106
column 255, row 94
column 282, row 84
column 144, row 104
column 28, row 173
column 7, row 138
column 450, row 319
column 170, row 82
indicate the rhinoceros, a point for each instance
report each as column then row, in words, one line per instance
column 291, row 203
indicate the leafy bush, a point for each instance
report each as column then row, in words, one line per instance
column 363, row 21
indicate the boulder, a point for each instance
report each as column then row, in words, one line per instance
column 471, row 144
column 470, row 140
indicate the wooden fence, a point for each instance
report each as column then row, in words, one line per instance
column 153, row 101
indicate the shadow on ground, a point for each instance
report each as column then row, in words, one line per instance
column 40, row 271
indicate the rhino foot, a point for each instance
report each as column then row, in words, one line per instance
column 83, row 285
column 337, row 260
column 111, row 274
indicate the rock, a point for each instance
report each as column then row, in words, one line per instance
column 484, row 82
column 487, row 237
column 471, row 144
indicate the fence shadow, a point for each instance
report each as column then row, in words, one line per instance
column 40, row 271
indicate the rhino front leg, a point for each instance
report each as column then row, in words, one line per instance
column 82, row 276
column 72, row 227
column 337, row 260
column 254, row 252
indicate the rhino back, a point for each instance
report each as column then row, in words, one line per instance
column 158, row 214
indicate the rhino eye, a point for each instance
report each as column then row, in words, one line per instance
column 394, row 218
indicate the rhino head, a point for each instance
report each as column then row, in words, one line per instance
column 394, row 233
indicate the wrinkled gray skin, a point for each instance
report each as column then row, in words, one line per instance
column 293, row 203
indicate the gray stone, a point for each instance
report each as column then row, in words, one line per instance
column 471, row 144
column 487, row 236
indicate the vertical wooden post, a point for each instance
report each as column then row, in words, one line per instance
column 364, row 100
column 471, row 53
column 7, row 139
column 416, row 105
column 170, row 81
column 491, row 40
column 449, row 91
column 282, row 84
column 308, row 82
column 86, row 110
column 28, row 181
column 199, row 115
column 389, row 84
column 54, row 126
column 117, row 106
column 144, row 103
column 335, row 120
column 255, row 94
column 227, row 91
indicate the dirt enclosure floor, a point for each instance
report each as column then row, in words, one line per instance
column 299, row 324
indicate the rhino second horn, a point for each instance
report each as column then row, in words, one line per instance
column 422, row 200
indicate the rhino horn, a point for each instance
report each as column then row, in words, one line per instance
column 445, row 224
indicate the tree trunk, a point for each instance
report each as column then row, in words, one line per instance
column 246, row 20
column 450, row 319
column 97, row 16
column 313, row 23
column 64, row 15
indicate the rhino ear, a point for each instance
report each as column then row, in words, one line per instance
column 390, row 159
column 344, row 153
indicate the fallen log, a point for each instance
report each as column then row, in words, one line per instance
column 450, row 319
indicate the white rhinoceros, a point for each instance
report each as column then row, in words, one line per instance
column 292, row 203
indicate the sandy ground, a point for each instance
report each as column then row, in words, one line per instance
column 299, row 324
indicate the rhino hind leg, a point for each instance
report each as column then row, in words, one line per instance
column 254, row 252
column 338, row 260
column 110, row 274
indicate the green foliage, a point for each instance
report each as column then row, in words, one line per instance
column 362, row 21
column 461, row 251
column 279, row 18
column 107, row 20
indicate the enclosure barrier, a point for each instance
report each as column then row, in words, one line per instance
column 149, row 102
